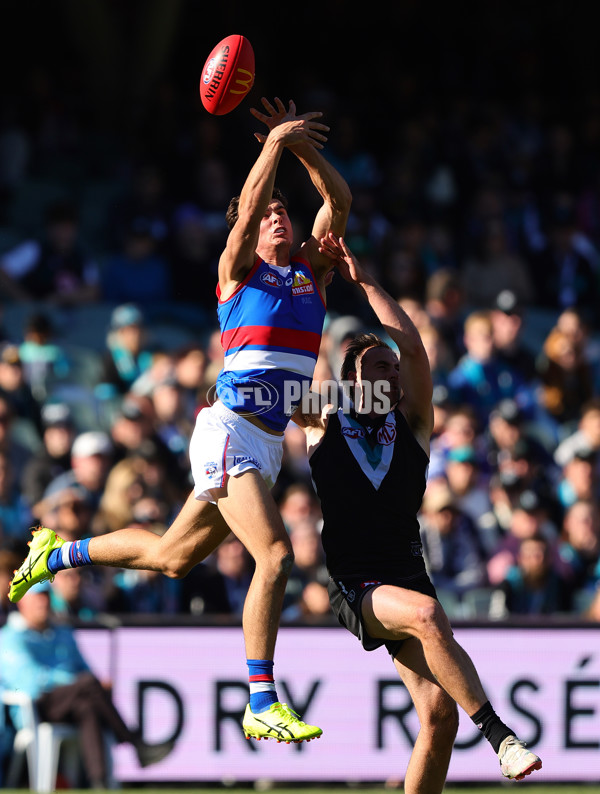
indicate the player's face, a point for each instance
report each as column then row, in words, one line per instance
column 378, row 364
column 275, row 226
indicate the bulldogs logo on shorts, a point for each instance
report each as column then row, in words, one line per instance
column 210, row 469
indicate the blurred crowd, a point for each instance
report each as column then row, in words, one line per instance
column 482, row 219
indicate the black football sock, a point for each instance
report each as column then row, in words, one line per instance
column 490, row 724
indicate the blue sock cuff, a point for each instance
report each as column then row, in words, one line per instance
column 258, row 666
column 79, row 553
column 55, row 562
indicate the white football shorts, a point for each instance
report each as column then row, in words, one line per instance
column 224, row 444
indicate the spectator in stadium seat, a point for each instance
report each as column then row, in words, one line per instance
column 566, row 377
column 193, row 257
column 42, row 659
column 127, row 355
column 15, row 514
column 173, row 424
column 15, row 388
column 535, row 585
column 565, row 266
column 189, row 369
column 452, row 549
column 45, row 361
column 493, row 267
column 480, row 379
column 68, row 508
column 299, row 503
column 92, row 455
column 146, row 197
column 309, row 562
column 508, row 327
column 529, row 516
column 445, row 304
column 18, row 453
column 54, row 456
column 579, row 478
column 461, row 428
column 507, row 430
column 138, row 591
column 579, row 544
column 586, row 436
column 76, row 595
column 438, row 353
column 313, row 603
column 56, row 267
column 220, row 585
column 137, row 273
column 134, row 433
column 468, row 481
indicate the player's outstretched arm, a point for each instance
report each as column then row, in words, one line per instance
column 332, row 187
column 415, row 373
column 290, row 129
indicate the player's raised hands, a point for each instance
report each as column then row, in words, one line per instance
column 346, row 263
column 293, row 127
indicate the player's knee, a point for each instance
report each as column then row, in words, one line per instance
column 278, row 564
column 431, row 619
column 285, row 565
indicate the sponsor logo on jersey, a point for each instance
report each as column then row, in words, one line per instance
column 368, row 584
column 386, row 434
column 271, row 279
column 210, row 469
column 302, row 284
column 237, row 459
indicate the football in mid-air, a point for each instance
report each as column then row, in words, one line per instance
column 228, row 75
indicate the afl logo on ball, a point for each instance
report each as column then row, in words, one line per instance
column 208, row 72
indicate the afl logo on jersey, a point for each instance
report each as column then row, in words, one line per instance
column 387, row 434
column 353, row 432
column 271, row 279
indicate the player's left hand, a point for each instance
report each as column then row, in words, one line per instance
column 346, row 263
column 278, row 114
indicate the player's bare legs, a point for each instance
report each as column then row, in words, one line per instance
column 194, row 534
column 250, row 510
column 438, row 717
column 393, row 612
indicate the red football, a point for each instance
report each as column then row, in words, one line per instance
column 228, row 75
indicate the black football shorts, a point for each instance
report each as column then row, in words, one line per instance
column 346, row 595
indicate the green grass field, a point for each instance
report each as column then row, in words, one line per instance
column 533, row 788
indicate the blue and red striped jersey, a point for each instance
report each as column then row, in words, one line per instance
column 271, row 332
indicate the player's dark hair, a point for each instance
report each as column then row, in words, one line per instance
column 231, row 215
column 356, row 347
